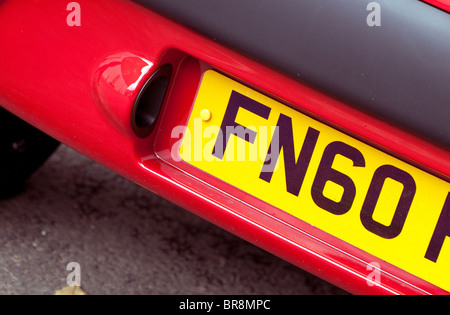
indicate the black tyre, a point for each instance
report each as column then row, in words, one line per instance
column 23, row 149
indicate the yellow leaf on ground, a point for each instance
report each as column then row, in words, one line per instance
column 72, row 290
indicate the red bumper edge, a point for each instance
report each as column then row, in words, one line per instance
column 442, row 4
column 79, row 84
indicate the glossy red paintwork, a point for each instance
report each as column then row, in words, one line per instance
column 79, row 85
column 443, row 4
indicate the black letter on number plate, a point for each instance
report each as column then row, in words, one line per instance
column 295, row 170
column 325, row 173
column 237, row 101
column 402, row 210
column 440, row 233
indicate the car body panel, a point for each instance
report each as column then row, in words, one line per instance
column 329, row 46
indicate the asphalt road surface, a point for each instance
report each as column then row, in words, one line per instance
column 126, row 241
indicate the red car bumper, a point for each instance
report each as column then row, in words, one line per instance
column 79, row 85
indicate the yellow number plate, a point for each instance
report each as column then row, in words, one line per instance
column 322, row 176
